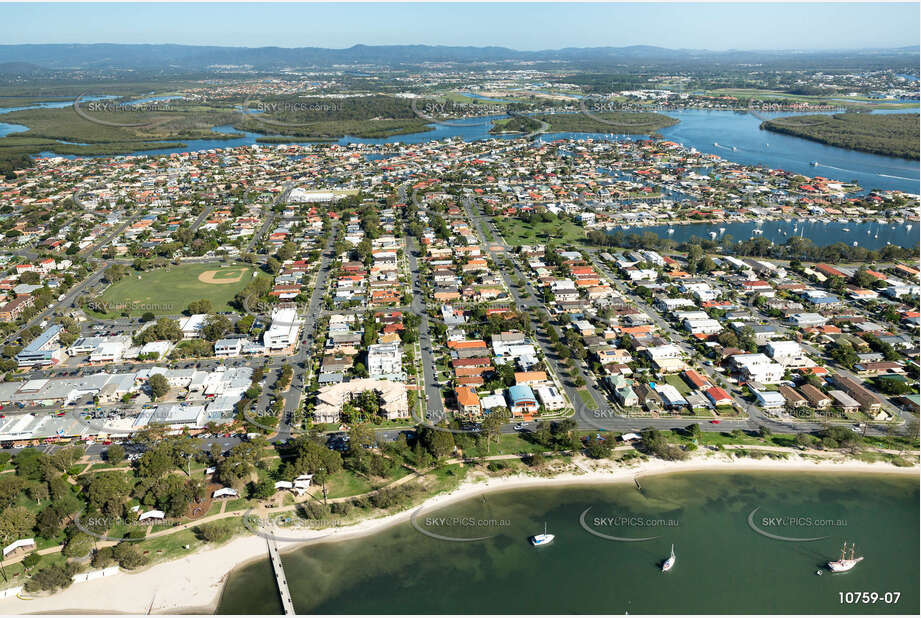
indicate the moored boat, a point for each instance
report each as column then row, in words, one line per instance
column 670, row 561
column 843, row 564
column 542, row 539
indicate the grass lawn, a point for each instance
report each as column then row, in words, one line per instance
column 237, row 504
column 512, row 444
column 214, row 509
column 168, row 291
column 345, row 483
column 448, row 477
column 517, row 232
column 678, row 383
column 587, row 400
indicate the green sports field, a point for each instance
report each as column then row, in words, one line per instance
column 168, row 291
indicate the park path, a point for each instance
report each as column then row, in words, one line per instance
column 416, row 474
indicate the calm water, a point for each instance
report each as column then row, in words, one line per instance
column 715, row 132
column 871, row 235
column 723, row 566
column 701, row 129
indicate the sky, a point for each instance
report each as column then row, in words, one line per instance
column 523, row 26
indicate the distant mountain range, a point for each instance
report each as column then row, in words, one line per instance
column 55, row 57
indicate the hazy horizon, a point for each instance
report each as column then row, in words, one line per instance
column 519, row 26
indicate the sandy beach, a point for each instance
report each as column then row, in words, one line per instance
column 193, row 584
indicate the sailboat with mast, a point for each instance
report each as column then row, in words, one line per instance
column 670, row 561
column 843, row 564
column 542, row 539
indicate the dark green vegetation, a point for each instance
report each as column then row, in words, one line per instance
column 640, row 123
column 51, row 129
column 372, row 116
column 165, row 125
column 516, row 124
column 894, row 135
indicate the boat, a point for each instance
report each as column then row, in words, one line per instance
column 814, row 163
column 671, row 230
column 722, row 230
column 734, row 148
column 843, row 564
column 670, row 561
column 846, row 229
column 715, row 144
column 757, row 231
column 855, row 243
column 712, row 234
column 542, row 539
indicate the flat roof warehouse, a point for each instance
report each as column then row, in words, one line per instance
column 219, row 391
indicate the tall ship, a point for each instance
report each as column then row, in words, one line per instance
column 669, row 562
column 843, row 564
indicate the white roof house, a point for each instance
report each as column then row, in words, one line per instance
column 20, row 544
column 550, row 397
column 488, row 402
column 192, row 326
column 225, row 492
column 758, row 367
column 284, row 329
column 769, row 399
column 160, row 348
column 385, row 361
column 152, row 515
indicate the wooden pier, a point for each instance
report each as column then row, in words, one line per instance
column 280, row 579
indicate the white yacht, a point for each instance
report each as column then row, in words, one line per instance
column 542, row 539
column 669, row 562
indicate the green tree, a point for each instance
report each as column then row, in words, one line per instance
column 216, row 326
column 51, row 578
column 115, row 454
column 107, row 491
column 156, row 462
column 437, row 442
column 10, row 489
column 158, row 385
column 215, row 532
column 115, row 273
column 128, row 555
column 16, row 522
column 200, row 306
column 79, row 545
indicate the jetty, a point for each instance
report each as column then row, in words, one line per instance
column 280, row 579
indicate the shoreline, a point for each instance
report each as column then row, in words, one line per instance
column 195, row 583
